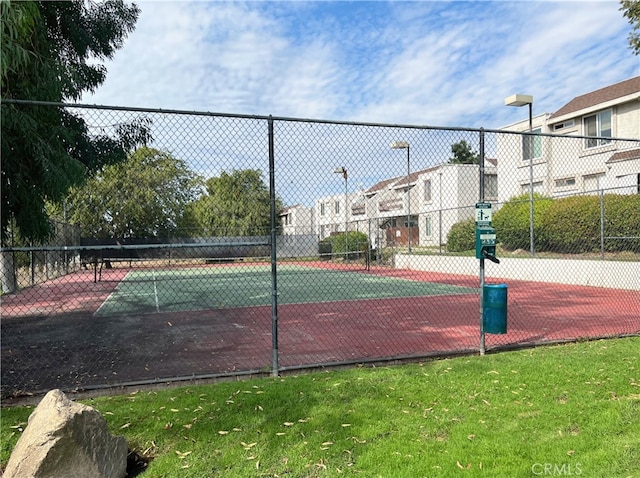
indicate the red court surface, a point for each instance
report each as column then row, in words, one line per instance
column 52, row 339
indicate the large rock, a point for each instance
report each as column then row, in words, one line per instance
column 67, row 439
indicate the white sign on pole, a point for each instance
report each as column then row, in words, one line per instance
column 483, row 213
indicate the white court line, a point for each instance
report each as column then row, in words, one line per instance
column 112, row 294
column 155, row 291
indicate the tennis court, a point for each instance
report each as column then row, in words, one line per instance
column 143, row 324
column 221, row 286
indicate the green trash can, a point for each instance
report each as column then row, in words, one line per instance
column 494, row 308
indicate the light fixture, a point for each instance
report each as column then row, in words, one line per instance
column 522, row 100
column 405, row 145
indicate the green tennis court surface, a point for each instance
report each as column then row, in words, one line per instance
column 148, row 291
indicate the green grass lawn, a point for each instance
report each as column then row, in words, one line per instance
column 568, row 410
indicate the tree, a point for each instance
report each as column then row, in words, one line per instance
column 145, row 196
column 463, row 154
column 52, row 51
column 236, row 204
column 631, row 9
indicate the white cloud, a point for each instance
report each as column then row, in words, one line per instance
column 437, row 63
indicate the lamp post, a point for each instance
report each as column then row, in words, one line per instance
column 521, row 100
column 343, row 171
column 405, row 145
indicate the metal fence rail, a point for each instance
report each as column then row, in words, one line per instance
column 311, row 243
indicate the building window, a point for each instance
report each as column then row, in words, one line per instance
column 532, row 145
column 592, row 182
column 598, row 125
column 566, row 124
column 427, row 226
column 336, row 207
column 525, row 188
column 491, row 185
column 427, row 190
column 565, row 182
column 322, row 209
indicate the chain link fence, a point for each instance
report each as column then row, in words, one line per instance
column 231, row 245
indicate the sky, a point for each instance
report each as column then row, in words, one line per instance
column 435, row 63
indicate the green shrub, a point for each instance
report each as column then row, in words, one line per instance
column 512, row 221
column 622, row 219
column 573, row 225
column 355, row 240
column 462, row 236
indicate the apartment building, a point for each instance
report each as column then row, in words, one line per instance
column 585, row 146
column 416, row 210
column 591, row 153
column 297, row 220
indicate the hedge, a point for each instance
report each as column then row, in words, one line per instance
column 513, row 219
column 567, row 225
column 573, row 225
column 462, row 236
column 357, row 242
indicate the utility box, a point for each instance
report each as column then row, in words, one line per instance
column 485, row 242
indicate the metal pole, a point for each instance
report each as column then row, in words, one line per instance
column 274, row 256
column 369, row 245
column 408, row 200
column 602, row 223
column 482, row 341
column 346, row 217
column 481, row 195
column 440, row 214
column 531, row 180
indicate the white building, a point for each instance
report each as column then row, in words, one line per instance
column 297, row 220
column 595, row 159
column 332, row 213
column 423, row 206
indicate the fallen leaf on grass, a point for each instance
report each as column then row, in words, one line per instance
column 468, row 467
column 183, row 455
column 187, row 426
column 248, row 446
column 126, row 425
column 288, row 424
column 223, row 432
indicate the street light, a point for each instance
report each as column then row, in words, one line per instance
column 521, row 100
column 405, row 145
column 343, row 171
